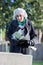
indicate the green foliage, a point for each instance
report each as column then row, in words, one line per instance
column 32, row 7
column 34, row 13
column 5, row 13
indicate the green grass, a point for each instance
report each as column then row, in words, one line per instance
column 37, row 63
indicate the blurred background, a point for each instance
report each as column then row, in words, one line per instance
column 34, row 9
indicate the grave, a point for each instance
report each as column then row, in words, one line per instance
column 7, row 58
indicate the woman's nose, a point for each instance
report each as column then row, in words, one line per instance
column 19, row 18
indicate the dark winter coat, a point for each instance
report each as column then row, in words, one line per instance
column 13, row 27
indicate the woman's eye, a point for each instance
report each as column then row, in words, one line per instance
column 19, row 16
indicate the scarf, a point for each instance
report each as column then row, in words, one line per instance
column 22, row 23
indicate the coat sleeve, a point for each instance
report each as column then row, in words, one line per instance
column 32, row 34
column 10, row 30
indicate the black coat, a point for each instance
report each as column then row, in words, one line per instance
column 13, row 27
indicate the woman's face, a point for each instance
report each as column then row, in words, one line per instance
column 20, row 17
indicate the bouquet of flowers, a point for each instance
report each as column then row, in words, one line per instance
column 17, row 35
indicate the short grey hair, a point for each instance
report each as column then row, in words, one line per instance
column 19, row 10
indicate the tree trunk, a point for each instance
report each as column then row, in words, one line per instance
column 39, row 35
column 0, row 34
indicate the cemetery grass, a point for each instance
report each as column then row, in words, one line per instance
column 37, row 63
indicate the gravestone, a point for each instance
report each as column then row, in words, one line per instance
column 15, row 59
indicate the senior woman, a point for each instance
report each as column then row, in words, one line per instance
column 20, row 32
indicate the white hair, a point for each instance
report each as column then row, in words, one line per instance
column 19, row 10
